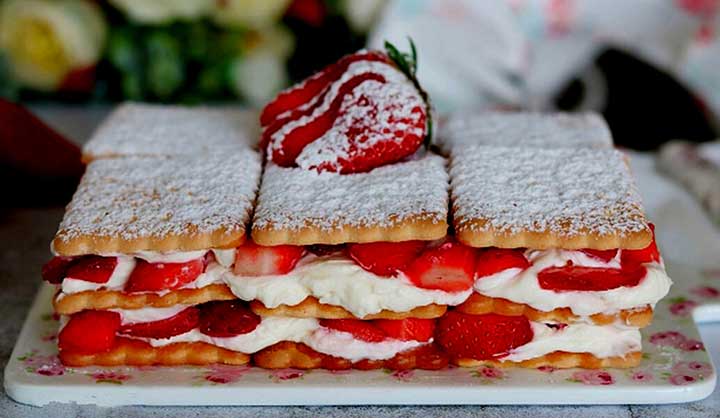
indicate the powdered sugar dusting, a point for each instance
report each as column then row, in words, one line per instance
column 138, row 197
column 525, row 129
column 144, row 129
column 565, row 191
column 294, row 198
column 374, row 109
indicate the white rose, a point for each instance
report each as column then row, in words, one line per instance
column 44, row 40
column 160, row 11
column 261, row 72
column 253, row 14
column 361, row 14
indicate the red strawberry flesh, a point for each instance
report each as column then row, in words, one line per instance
column 151, row 277
column 385, row 258
column 577, row 278
column 362, row 330
column 449, row 267
column 224, row 319
column 54, row 271
column 89, row 332
column 257, row 260
column 481, row 337
column 410, row 329
column 92, row 268
column 494, row 260
column 184, row 321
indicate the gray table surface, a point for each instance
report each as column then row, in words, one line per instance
column 24, row 238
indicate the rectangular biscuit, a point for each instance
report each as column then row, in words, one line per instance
column 138, row 129
column 398, row 202
column 525, row 129
column 545, row 198
column 182, row 203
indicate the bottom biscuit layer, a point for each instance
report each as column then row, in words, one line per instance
column 299, row 356
column 561, row 360
column 128, row 352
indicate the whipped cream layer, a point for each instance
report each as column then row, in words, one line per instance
column 134, row 316
column 602, row 341
column 337, row 280
column 275, row 329
column 522, row 286
column 333, row 280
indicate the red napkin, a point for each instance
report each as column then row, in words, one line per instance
column 41, row 166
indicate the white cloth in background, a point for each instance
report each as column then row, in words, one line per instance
column 479, row 54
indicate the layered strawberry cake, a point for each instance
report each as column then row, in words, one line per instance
column 340, row 254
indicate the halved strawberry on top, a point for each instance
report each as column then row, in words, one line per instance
column 350, row 119
column 258, row 260
column 449, row 267
column 306, row 90
column 152, row 277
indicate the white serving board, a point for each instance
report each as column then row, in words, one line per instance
column 670, row 373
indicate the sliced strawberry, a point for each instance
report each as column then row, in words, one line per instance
column 385, row 258
column 481, row 337
column 605, row 255
column 150, row 277
column 410, row 329
column 92, row 268
column 227, row 318
column 495, row 260
column 449, row 267
column 90, row 332
column 185, row 320
column 648, row 254
column 293, row 142
column 578, row 278
column 257, row 260
column 362, row 330
column 54, row 270
column 305, row 91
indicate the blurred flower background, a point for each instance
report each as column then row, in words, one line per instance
column 186, row 51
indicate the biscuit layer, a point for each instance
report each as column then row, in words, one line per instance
column 129, row 352
column 561, row 360
column 140, row 129
column 72, row 303
column 398, row 202
column 312, row 308
column 288, row 354
column 478, row 304
column 136, row 204
column 545, row 198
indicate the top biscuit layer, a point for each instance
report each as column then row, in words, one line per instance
column 525, row 129
column 537, row 198
column 135, row 129
column 398, row 202
column 134, row 204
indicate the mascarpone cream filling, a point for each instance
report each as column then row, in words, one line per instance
column 602, row 341
column 522, row 286
column 308, row 331
column 339, row 281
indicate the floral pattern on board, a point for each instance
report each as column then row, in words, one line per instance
column 42, row 365
column 488, row 373
column 592, row 377
column 115, row 378
column 223, row 374
column 286, row 374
